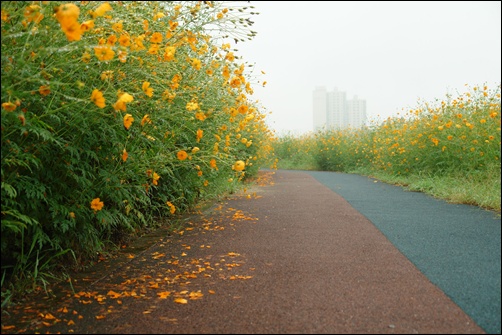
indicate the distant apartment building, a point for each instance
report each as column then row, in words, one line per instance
column 332, row 110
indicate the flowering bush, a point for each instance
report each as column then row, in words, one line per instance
column 115, row 114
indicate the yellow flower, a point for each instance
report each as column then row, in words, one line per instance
column 195, row 150
column 235, row 82
column 87, row 25
column 182, row 155
column 124, row 155
column 225, row 72
column 230, row 57
column 124, row 40
column 212, row 164
column 32, row 13
column 67, row 11
column 97, row 98
column 200, row 133
column 128, row 119
column 147, row 89
column 122, row 56
column 86, row 57
column 97, row 204
column 196, row 63
column 191, row 106
column 72, row 31
column 239, row 166
column 200, row 116
column 158, row 15
column 72, row 215
column 102, row 9
column 9, row 106
column 118, row 27
column 156, row 38
column 104, row 53
column 155, row 178
column 44, row 90
column 169, row 53
column 146, row 119
column 172, row 208
column 122, row 100
column 243, row 109
column 154, row 49
column 111, row 40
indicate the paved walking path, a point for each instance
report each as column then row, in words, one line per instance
column 292, row 256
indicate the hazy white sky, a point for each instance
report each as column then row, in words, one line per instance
column 390, row 53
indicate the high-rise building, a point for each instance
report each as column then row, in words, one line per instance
column 332, row 110
column 320, row 107
column 356, row 111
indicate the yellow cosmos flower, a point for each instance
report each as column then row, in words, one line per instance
column 44, row 90
column 5, row 16
column 172, row 208
column 158, row 15
column 196, row 63
column 182, row 155
column 156, row 38
column 122, row 100
column 235, row 82
column 230, row 57
column 200, row 116
column 97, row 204
column 154, row 49
column 212, row 164
column 243, row 109
column 86, row 57
column 9, row 106
column 67, row 15
column 147, row 89
column 111, row 40
column 72, row 31
column 155, row 178
column 124, row 155
column 239, row 166
column 32, row 14
column 191, row 106
column 145, row 119
column 225, row 72
column 199, row 135
column 87, row 25
column 118, row 27
column 101, row 10
column 169, row 53
column 122, row 56
column 128, row 120
column 97, row 98
column 124, row 40
column 104, row 53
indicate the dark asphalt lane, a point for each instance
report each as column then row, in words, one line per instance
column 456, row 246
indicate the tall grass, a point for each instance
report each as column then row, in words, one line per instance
column 449, row 148
column 116, row 114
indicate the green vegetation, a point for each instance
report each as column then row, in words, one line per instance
column 116, row 116
column 450, row 149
